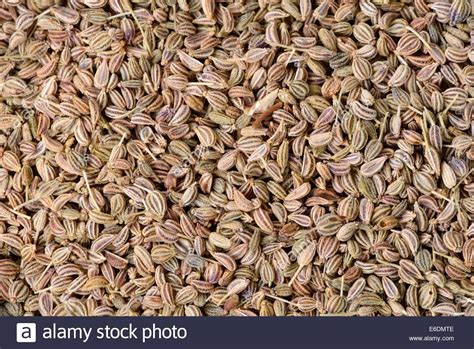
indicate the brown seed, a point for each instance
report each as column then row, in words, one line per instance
column 328, row 224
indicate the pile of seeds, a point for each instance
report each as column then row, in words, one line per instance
column 253, row 158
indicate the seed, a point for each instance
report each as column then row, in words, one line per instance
column 162, row 253
column 186, row 295
column 445, row 309
column 101, row 218
column 372, row 167
column 400, row 76
column 320, row 139
column 424, row 182
column 236, row 286
column 100, row 41
column 226, row 261
column 263, row 220
column 361, row 68
column 208, row 6
column 390, row 288
column 408, row 44
column 220, row 241
column 94, row 282
column 299, row 192
column 328, row 224
column 427, row 295
column 459, row 11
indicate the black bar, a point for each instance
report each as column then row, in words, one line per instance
column 241, row 333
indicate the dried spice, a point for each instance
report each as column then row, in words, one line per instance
column 255, row 158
